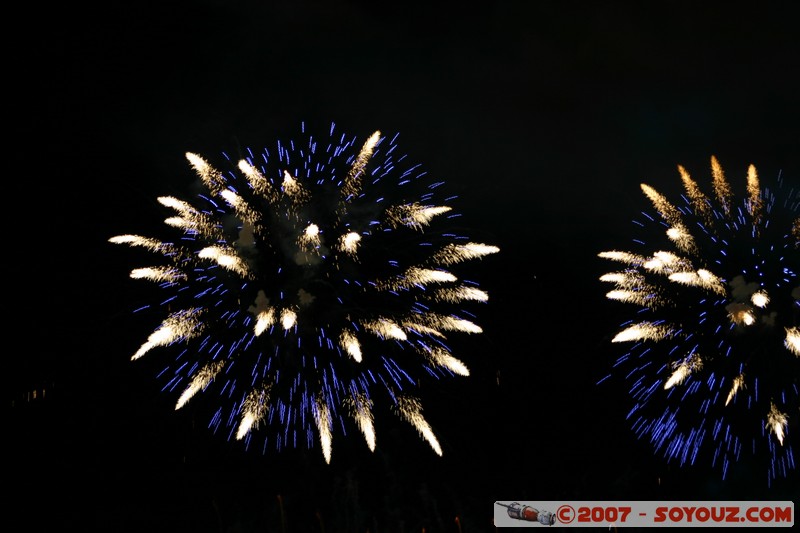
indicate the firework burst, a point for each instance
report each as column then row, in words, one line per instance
column 714, row 365
column 307, row 283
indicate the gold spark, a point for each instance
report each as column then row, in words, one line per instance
column 254, row 409
column 682, row 238
column 178, row 205
column 233, row 199
column 628, row 279
column 417, row 276
column 190, row 219
column 740, row 314
column 177, row 326
column 288, row 318
column 309, row 240
column 361, row 410
column 349, row 242
column 413, row 215
column 623, row 257
column 662, row 262
column 792, row 341
column 415, row 325
column 623, row 279
column 352, row 183
column 642, row 331
column 243, row 210
column 721, row 187
column 263, row 311
column 293, row 189
column 446, row 323
column 700, row 202
column 456, row 253
column 323, row 419
column 760, row 299
column 411, row 410
column 637, row 297
column 385, row 328
column 754, row 193
column 199, row 381
column 777, row 422
column 260, row 184
column 683, row 370
column 349, row 342
column 154, row 245
column 158, row 274
column 460, row 294
column 738, row 383
column 210, row 176
column 667, row 211
column 632, row 288
column 264, row 319
column 701, row 278
column 227, row 258
column 442, row 357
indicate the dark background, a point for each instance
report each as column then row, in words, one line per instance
column 542, row 116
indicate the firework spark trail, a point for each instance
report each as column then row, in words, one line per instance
column 307, row 280
column 714, row 364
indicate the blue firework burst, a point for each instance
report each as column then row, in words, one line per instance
column 714, row 360
column 306, row 283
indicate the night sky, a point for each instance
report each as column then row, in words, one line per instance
column 542, row 117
